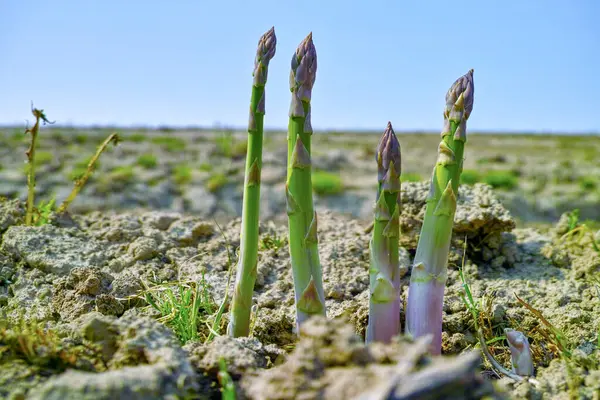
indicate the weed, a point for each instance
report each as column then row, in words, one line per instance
column 80, row 138
column 496, row 159
column 182, row 174
column 499, row 179
column 410, row 177
column 470, row 177
column 326, row 183
column 272, row 242
column 147, row 161
column 89, row 169
column 579, row 233
column 43, row 349
column 136, row 138
column 184, row 306
column 39, row 116
column 556, row 337
column 122, row 174
column 227, row 387
column 205, row 167
column 216, row 182
column 43, row 157
column 588, row 183
column 43, row 211
column 227, row 146
column 171, row 143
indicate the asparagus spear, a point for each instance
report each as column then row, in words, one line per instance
column 429, row 272
column 246, row 271
column 302, row 219
column 384, row 304
column 520, row 352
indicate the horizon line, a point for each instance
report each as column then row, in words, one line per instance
column 232, row 128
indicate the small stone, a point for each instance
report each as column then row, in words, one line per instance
column 143, row 248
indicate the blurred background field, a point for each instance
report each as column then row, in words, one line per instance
column 200, row 171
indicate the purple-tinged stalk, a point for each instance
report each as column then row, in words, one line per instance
column 302, row 219
column 520, row 352
column 384, row 273
column 239, row 324
column 429, row 271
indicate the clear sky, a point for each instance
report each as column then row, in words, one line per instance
column 180, row 62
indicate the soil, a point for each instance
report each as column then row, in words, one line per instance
column 81, row 276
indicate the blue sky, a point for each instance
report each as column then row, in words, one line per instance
column 537, row 63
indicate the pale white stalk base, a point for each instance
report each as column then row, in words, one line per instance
column 424, row 312
column 387, row 321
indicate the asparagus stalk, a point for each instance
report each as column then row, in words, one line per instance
column 429, row 271
column 239, row 324
column 384, row 304
column 520, row 352
column 302, row 219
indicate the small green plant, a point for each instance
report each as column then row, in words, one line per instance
column 44, row 350
column 147, row 161
column 122, row 174
column 588, row 183
column 43, row 157
column 136, row 138
column 43, row 211
column 216, row 182
column 172, row 144
column 470, row 177
column 578, row 232
column 205, row 167
column 81, row 180
column 499, row 179
column 182, row 174
column 227, row 386
column 184, row 306
column 39, row 117
column 411, row 177
column 272, row 242
column 496, row 159
column 228, row 146
column 80, row 138
column 326, row 183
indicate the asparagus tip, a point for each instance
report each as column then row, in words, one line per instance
column 264, row 53
column 304, row 73
column 388, row 151
column 266, row 46
column 463, row 85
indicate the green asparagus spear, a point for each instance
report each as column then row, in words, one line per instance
column 429, row 271
column 302, row 219
column 384, row 274
column 247, row 264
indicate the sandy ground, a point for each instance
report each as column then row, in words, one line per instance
column 89, row 331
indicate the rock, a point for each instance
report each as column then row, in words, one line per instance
column 241, row 356
column 77, row 293
column 199, row 200
column 146, row 363
column 143, row 248
column 160, row 220
column 189, row 230
column 331, row 362
column 12, row 212
column 52, row 249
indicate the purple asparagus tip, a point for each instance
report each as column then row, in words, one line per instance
column 304, row 69
column 463, row 85
column 388, row 150
column 264, row 53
